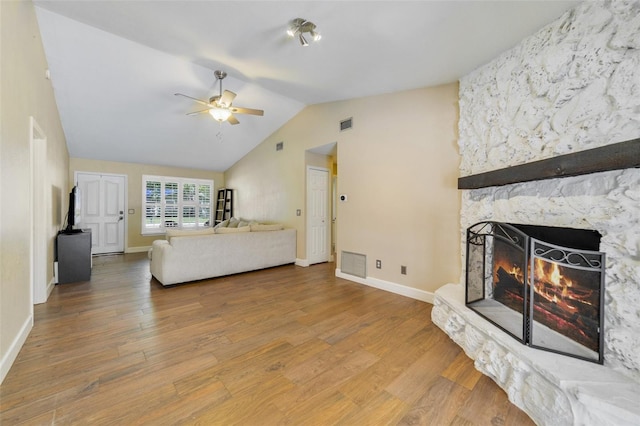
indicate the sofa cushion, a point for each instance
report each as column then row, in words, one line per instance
column 255, row 227
column 233, row 230
column 222, row 224
column 170, row 233
column 233, row 222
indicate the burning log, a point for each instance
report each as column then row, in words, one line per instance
column 507, row 280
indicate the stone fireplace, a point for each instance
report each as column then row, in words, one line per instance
column 571, row 87
column 541, row 285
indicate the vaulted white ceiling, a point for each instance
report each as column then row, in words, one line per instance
column 115, row 65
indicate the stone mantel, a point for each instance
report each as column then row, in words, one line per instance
column 623, row 155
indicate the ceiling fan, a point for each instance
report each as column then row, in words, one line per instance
column 220, row 106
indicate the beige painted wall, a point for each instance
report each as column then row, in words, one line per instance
column 24, row 92
column 399, row 167
column 134, row 238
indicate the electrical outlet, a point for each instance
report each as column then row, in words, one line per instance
column 378, row 264
column 403, row 270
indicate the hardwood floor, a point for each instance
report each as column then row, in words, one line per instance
column 283, row 346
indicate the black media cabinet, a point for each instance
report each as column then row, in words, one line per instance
column 74, row 256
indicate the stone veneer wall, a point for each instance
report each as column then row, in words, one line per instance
column 572, row 86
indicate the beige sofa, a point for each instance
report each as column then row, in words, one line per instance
column 187, row 256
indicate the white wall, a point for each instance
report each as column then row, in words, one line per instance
column 135, row 241
column 24, row 92
column 398, row 165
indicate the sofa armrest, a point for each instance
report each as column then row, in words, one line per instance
column 159, row 250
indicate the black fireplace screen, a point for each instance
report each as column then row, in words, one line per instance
column 542, row 285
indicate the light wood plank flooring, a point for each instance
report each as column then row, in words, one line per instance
column 283, row 346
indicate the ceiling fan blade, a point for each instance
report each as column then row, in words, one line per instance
column 226, row 98
column 200, row 101
column 232, row 119
column 241, row 110
column 198, row 112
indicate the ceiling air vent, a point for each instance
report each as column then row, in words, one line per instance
column 346, row 124
column 279, row 146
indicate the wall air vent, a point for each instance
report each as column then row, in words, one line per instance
column 346, row 124
column 279, row 146
column 353, row 264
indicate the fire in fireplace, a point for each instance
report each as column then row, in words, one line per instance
column 542, row 285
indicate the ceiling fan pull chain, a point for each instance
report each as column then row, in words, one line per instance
column 219, row 134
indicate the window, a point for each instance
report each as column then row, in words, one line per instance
column 170, row 202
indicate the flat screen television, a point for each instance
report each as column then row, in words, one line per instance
column 75, row 210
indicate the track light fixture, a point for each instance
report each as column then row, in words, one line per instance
column 300, row 26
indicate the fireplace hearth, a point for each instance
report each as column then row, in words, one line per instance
column 544, row 286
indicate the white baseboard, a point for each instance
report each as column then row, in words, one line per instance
column 14, row 348
column 302, row 262
column 51, row 286
column 142, row 249
column 403, row 290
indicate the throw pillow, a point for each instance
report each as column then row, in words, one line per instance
column 222, row 224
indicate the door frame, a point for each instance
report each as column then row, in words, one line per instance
column 334, row 217
column 327, row 215
column 125, row 215
column 40, row 212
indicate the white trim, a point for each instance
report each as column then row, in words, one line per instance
column 403, row 290
column 302, row 262
column 40, row 210
column 14, row 349
column 51, row 286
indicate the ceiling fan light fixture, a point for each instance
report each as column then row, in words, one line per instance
column 220, row 114
column 219, row 106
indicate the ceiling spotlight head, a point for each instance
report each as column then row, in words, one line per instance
column 294, row 26
column 315, row 35
column 299, row 26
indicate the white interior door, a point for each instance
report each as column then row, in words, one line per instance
column 102, row 198
column 318, row 215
